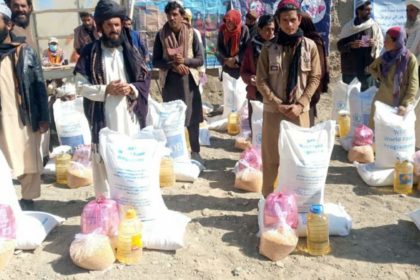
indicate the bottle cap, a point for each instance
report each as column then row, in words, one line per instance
column 343, row 113
column 130, row 214
column 316, row 209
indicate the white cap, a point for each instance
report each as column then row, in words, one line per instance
column 5, row 10
column 53, row 40
column 359, row 3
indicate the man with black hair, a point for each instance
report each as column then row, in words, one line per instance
column 85, row 33
column 178, row 54
column 23, row 109
column 21, row 17
column 360, row 43
column 135, row 38
column 288, row 74
column 112, row 77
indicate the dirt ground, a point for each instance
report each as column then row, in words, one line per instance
column 221, row 240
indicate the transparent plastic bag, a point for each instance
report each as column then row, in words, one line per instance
column 79, row 175
column 92, row 251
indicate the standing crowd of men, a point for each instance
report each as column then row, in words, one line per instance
column 281, row 58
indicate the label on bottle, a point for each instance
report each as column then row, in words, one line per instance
column 406, row 179
column 136, row 243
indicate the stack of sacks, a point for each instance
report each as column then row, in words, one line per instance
column 362, row 150
column 132, row 165
column 248, row 174
column 168, row 118
column 93, row 249
column 360, row 110
column 79, row 173
column 277, row 220
column 340, row 92
column 31, row 226
column 394, row 136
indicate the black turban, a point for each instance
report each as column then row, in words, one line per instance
column 107, row 9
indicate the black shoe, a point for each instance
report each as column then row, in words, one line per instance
column 26, row 204
column 196, row 156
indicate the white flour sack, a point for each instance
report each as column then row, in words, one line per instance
column 71, row 123
column 132, row 167
column 340, row 92
column 304, row 159
column 394, row 135
column 360, row 109
column 170, row 117
column 257, row 121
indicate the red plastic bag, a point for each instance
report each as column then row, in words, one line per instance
column 251, row 157
column 363, row 136
column 280, row 206
column 100, row 216
column 7, row 222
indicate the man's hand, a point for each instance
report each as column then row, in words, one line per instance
column 294, row 111
column 118, row 88
column 282, row 108
column 231, row 62
column 43, row 127
column 179, row 59
column 182, row 69
column 371, row 42
column 402, row 110
column 356, row 44
column 253, row 80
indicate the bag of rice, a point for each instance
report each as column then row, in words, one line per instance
column 276, row 244
column 92, row 251
column 361, row 154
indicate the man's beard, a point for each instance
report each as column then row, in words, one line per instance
column 3, row 34
column 21, row 22
column 411, row 23
column 112, row 43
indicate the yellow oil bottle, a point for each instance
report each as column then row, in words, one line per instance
column 167, row 174
column 318, row 240
column 62, row 163
column 403, row 177
column 234, row 125
column 344, row 123
column 187, row 139
column 129, row 244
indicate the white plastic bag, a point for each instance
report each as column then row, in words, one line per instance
column 304, row 160
column 170, row 117
column 71, row 123
column 33, row 227
column 340, row 92
column 415, row 217
column 186, row 171
column 132, row 167
column 394, row 135
column 339, row 221
column 166, row 232
column 257, row 122
column 234, row 97
column 360, row 109
column 374, row 176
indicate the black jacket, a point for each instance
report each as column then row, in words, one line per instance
column 34, row 105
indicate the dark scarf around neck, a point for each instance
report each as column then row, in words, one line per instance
column 295, row 42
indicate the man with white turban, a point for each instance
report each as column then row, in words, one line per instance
column 360, row 43
column 412, row 27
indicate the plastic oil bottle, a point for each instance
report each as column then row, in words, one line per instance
column 318, row 240
column 403, row 176
column 344, row 122
column 62, row 163
column 187, row 139
column 233, row 126
column 129, row 245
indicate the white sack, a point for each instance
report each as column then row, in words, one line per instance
column 71, row 123
column 170, row 117
column 340, row 92
column 132, row 167
column 415, row 217
column 394, row 135
column 186, row 171
column 304, row 160
column 257, row 123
